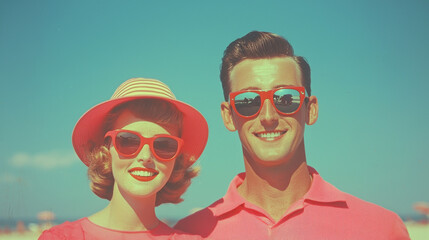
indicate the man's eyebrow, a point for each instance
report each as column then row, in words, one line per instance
column 275, row 87
column 250, row 88
column 283, row 85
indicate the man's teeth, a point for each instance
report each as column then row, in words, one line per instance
column 143, row 173
column 269, row 135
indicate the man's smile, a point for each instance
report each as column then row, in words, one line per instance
column 270, row 135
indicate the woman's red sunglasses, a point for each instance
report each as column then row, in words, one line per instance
column 129, row 143
column 286, row 100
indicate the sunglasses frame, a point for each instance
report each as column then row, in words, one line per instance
column 143, row 141
column 269, row 94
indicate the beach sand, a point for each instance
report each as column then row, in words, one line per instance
column 417, row 232
column 20, row 236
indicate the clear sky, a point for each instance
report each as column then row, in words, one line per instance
column 369, row 63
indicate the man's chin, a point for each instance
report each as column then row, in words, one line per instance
column 271, row 161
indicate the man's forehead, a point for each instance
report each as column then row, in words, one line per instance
column 265, row 73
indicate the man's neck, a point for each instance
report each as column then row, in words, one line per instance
column 276, row 188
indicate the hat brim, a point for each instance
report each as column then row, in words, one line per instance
column 88, row 130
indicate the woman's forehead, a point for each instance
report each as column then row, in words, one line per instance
column 144, row 125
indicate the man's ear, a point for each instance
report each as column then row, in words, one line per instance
column 225, row 110
column 312, row 110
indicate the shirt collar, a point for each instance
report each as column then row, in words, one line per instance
column 232, row 198
column 320, row 191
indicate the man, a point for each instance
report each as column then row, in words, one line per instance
column 268, row 102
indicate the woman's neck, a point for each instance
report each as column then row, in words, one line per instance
column 127, row 213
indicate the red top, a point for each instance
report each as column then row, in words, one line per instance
column 85, row 229
column 323, row 213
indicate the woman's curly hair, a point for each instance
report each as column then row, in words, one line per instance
column 100, row 165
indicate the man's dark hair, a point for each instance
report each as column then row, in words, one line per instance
column 259, row 45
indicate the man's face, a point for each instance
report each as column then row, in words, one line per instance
column 268, row 138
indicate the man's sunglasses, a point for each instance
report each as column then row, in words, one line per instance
column 129, row 143
column 286, row 100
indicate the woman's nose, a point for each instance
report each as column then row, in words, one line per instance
column 145, row 155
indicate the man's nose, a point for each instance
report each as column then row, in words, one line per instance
column 268, row 114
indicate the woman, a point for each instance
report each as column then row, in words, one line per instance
column 139, row 147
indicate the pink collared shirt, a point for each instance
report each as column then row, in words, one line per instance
column 323, row 213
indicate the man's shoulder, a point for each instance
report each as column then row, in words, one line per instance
column 377, row 218
column 200, row 222
column 356, row 213
column 353, row 203
column 197, row 217
column 358, row 204
column 368, row 209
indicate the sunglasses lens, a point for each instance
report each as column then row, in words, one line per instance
column 287, row 100
column 247, row 103
column 127, row 143
column 165, row 147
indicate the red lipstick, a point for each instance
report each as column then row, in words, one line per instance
column 143, row 174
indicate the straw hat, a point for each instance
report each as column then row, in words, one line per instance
column 88, row 130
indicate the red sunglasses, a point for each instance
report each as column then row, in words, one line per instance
column 129, row 143
column 286, row 100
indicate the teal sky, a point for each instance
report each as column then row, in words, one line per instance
column 59, row 58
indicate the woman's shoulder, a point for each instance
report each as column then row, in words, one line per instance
column 75, row 230
column 66, row 230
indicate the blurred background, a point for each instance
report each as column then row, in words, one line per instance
column 59, row 58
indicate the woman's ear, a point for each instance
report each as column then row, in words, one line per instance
column 225, row 110
column 312, row 110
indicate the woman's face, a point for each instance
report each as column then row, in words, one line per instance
column 143, row 175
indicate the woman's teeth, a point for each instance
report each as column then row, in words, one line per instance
column 143, row 173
